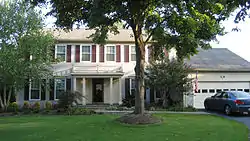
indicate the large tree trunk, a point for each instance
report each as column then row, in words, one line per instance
column 139, row 71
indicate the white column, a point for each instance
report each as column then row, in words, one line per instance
column 120, row 91
column 111, row 90
column 73, row 84
column 83, row 91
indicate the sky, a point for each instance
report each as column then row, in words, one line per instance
column 235, row 41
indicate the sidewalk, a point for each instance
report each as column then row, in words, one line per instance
column 152, row 112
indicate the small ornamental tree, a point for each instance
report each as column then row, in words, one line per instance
column 24, row 48
column 184, row 25
column 170, row 78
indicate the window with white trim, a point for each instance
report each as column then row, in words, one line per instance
column 133, row 54
column 86, row 53
column 61, row 52
column 35, row 90
column 110, row 53
column 60, row 87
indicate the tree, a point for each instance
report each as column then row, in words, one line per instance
column 184, row 25
column 170, row 78
column 24, row 48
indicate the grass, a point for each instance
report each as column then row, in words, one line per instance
column 176, row 127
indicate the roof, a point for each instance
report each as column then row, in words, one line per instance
column 81, row 35
column 218, row 59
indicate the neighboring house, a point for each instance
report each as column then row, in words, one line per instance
column 219, row 69
column 103, row 74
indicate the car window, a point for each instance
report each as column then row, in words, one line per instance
column 218, row 94
column 225, row 95
column 241, row 94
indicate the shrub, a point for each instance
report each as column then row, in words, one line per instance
column 13, row 107
column 66, row 99
column 80, row 111
column 129, row 101
column 26, row 107
column 48, row 105
column 36, row 107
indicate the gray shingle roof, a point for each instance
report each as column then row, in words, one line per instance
column 218, row 59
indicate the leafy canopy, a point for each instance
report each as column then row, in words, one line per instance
column 22, row 36
column 183, row 24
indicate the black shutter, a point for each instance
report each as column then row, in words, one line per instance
column 152, row 98
column 51, row 90
column 68, row 84
column 127, row 87
column 26, row 90
column 43, row 89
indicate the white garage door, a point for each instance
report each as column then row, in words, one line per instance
column 207, row 89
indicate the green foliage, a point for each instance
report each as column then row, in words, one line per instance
column 170, row 78
column 22, row 35
column 129, row 101
column 68, row 98
column 80, row 111
column 26, row 107
column 36, row 107
column 13, row 107
column 48, row 105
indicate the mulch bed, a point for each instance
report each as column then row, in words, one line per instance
column 139, row 119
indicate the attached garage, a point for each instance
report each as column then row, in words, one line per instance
column 207, row 89
column 218, row 69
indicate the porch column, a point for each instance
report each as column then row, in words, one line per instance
column 120, row 91
column 73, row 84
column 111, row 90
column 83, row 91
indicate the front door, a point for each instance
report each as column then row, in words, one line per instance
column 98, row 91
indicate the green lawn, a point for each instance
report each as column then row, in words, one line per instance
column 176, row 127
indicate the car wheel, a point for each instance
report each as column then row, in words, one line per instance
column 227, row 110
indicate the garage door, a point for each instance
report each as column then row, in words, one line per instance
column 207, row 89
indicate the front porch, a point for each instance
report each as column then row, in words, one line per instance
column 98, row 90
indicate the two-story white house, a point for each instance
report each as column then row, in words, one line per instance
column 102, row 73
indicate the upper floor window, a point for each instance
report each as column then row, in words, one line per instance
column 110, row 53
column 35, row 90
column 60, row 87
column 61, row 52
column 133, row 53
column 86, row 53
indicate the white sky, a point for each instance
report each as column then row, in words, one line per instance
column 237, row 42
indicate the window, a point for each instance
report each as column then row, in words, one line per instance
column 61, row 52
column 133, row 53
column 198, row 91
column 110, row 53
column 218, row 90
column 132, row 86
column 35, row 90
column 240, row 94
column 86, row 52
column 225, row 89
column 246, row 90
column 204, row 90
column 60, row 87
column 233, row 89
column 239, row 90
column 211, row 91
